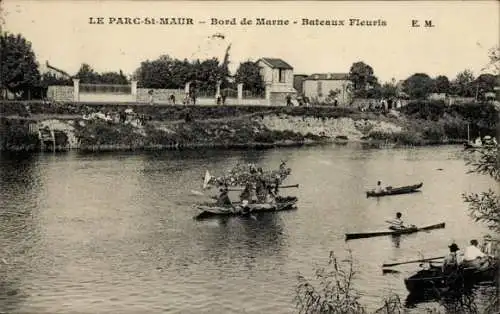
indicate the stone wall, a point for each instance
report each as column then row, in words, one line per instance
column 331, row 127
column 60, row 93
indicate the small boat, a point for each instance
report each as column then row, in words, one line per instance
column 351, row 236
column 434, row 280
column 211, row 211
column 395, row 191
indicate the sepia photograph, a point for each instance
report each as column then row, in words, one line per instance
column 249, row 157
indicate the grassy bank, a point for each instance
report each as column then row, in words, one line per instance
column 172, row 127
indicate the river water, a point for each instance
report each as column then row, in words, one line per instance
column 113, row 233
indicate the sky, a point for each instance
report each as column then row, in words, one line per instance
column 463, row 33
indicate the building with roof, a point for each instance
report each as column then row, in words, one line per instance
column 320, row 87
column 278, row 78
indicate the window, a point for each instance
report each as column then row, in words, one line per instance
column 320, row 89
column 281, row 75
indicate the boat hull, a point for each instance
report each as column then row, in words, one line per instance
column 433, row 280
column 396, row 191
column 352, row 236
column 210, row 211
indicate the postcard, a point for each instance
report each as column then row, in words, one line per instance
column 249, row 156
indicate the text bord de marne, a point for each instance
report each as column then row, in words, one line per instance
column 248, row 21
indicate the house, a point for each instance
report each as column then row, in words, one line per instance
column 328, row 87
column 278, row 78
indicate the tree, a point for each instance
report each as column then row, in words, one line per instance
column 463, row 84
column 485, row 207
column 248, row 73
column 49, row 79
column 389, row 89
column 485, row 83
column 18, row 67
column 166, row 72
column 87, row 75
column 441, row 85
column 362, row 77
column 113, row 78
column 494, row 64
column 418, row 86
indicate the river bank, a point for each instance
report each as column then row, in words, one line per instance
column 98, row 127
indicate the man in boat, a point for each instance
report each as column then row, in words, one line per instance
column 473, row 257
column 247, row 194
column 270, row 197
column 223, row 198
column 397, row 223
column 379, row 188
column 453, row 260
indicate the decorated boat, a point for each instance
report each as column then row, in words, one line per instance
column 395, row 191
column 212, row 210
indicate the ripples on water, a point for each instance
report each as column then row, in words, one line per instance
column 114, row 232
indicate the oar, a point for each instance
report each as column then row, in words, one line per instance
column 198, row 193
column 280, row 187
column 414, row 261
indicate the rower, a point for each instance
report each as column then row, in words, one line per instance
column 379, row 188
column 453, row 260
column 397, row 223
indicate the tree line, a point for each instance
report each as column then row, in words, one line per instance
column 20, row 74
column 420, row 85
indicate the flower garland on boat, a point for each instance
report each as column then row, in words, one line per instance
column 243, row 174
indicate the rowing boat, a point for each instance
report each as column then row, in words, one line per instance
column 395, row 191
column 432, row 279
column 211, row 210
column 351, row 236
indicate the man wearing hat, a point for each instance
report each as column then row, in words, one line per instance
column 453, row 260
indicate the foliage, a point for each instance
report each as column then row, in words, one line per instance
column 388, row 90
column 170, row 73
column 330, row 291
column 88, row 75
column 242, row 174
column 50, row 79
column 485, row 206
column 248, row 73
column 494, row 64
column 441, row 84
column 18, row 67
column 486, row 83
column 418, row 86
column 15, row 135
column 463, row 84
column 363, row 78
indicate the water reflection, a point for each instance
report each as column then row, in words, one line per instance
column 19, row 186
column 258, row 235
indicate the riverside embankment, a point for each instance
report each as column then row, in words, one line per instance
column 99, row 127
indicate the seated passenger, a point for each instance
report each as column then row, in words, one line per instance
column 473, row 257
column 223, row 198
column 453, row 260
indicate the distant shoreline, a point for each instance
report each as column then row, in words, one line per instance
column 167, row 127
